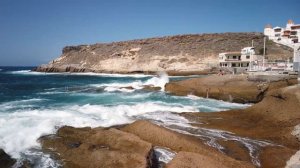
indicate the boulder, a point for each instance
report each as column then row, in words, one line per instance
column 5, row 160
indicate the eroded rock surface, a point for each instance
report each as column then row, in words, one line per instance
column 160, row 136
column 272, row 119
column 86, row 147
column 196, row 160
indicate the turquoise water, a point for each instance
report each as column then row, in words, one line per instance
column 34, row 104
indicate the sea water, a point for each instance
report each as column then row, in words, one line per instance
column 33, row 104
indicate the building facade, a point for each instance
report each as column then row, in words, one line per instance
column 286, row 35
column 240, row 61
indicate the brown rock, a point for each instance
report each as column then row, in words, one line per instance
column 272, row 119
column 235, row 88
column 127, row 87
column 195, row 160
column 151, row 88
column 86, row 147
column 160, row 136
column 5, row 160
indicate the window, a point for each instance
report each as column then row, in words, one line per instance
column 233, row 64
column 248, row 57
column 234, row 57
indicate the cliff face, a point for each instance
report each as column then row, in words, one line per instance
column 181, row 53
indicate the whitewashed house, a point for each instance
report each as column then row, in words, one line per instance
column 286, row 35
column 240, row 61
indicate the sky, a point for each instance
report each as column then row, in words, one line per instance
column 33, row 32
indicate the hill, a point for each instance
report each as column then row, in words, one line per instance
column 180, row 53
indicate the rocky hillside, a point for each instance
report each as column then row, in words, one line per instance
column 181, row 53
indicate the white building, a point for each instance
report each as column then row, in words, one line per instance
column 288, row 35
column 239, row 61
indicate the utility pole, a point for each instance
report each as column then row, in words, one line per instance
column 264, row 53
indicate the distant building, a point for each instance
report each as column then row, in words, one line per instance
column 296, row 61
column 239, row 61
column 288, row 35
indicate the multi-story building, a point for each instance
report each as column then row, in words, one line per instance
column 288, row 35
column 240, row 61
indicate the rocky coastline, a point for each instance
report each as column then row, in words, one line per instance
column 265, row 134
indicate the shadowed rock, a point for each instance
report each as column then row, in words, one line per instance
column 5, row 160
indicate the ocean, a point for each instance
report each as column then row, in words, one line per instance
column 33, row 104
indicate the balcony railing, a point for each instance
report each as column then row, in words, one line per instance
column 231, row 59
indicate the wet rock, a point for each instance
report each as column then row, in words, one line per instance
column 160, row 136
column 5, row 160
column 86, row 147
column 127, row 87
column 151, row 88
column 273, row 119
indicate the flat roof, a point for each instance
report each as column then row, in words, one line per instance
column 233, row 52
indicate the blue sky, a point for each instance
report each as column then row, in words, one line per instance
column 33, row 32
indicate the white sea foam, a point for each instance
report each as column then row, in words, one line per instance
column 122, row 87
column 156, row 81
column 19, row 104
column 113, row 75
column 193, row 97
column 210, row 136
column 163, row 154
column 20, row 130
column 29, row 72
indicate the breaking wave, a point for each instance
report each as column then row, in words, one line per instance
column 157, row 81
column 20, row 130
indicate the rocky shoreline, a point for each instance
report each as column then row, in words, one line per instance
column 272, row 119
column 233, row 88
column 132, row 146
column 263, row 135
column 71, row 69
